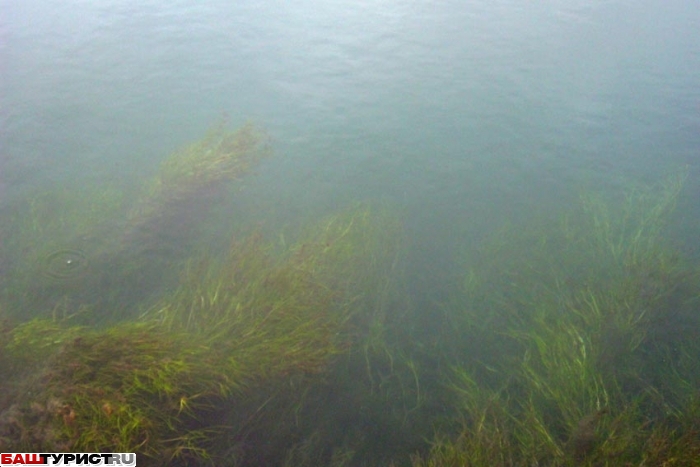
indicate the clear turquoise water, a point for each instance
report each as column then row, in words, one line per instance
column 462, row 113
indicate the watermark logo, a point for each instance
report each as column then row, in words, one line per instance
column 44, row 458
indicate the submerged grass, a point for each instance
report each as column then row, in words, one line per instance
column 583, row 339
column 96, row 246
column 571, row 343
column 251, row 320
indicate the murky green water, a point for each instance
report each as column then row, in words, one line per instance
column 460, row 116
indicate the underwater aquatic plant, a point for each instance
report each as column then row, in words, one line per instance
column 95, row 246
column 252, row 318
column 199, row 172
column 575, row 317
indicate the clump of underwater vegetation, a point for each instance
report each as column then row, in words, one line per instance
column 95, row 246
column 368, row 407
column 194, row 177
column 582, row 341
column 337, row 277
column 188, row 372
column 127, row 387
column 233, row 361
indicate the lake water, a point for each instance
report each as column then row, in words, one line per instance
column 461, row 115
column 416, row 100
column 464, row 114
